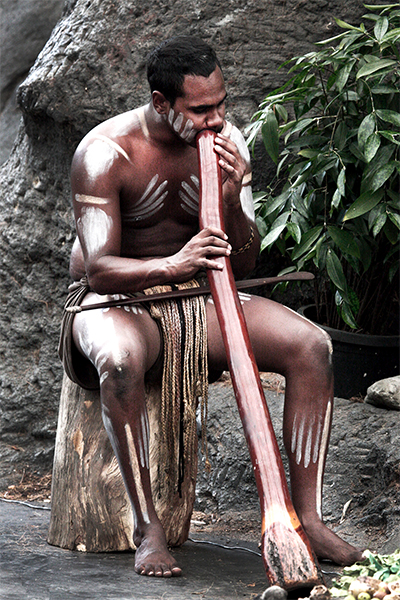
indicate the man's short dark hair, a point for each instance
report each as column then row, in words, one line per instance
column 171, row 61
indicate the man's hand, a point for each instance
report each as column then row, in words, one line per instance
column 201, row 252
column 233, row 166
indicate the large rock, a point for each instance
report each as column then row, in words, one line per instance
column 385, row 393
column 92, row 67
column 25, row 27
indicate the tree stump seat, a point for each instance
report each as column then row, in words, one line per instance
column 90, row 508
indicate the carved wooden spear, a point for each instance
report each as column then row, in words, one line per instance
column 287, row 553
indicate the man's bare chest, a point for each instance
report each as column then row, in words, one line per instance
column 159, row 188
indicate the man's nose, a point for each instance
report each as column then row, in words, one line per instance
column 214, row 120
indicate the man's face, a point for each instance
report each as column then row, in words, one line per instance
column 202, row 106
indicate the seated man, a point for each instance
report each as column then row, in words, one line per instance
column 135, row 197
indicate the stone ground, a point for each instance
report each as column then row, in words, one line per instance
column 361, row 502
column 33, row 570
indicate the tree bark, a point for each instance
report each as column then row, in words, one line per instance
column 91, row 510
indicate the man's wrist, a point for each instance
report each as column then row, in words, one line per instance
column 246, row 246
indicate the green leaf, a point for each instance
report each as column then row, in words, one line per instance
column 395, row 218
column 336, row 199
column 301, row 124
column 294, row 231
column 347, row 315
column 345, row 25
column 375, row 66
column 391, row 232
column 343, row 74
column 344, row 240
column 335, row 270
column 272, row 237
column 377, row 219
column 390, row 116
column 270, row 135
column 381, row 27
column 384, row 89
column 372, row 146
column 307, row 241
column 367, row 128
column 307, row 153
column 282, row 112
column 341, row 180
column 278, row 202
column 364, row 203
column 340, row 137
column 278, row 226
column 382, row 175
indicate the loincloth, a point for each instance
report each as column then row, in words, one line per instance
column 183, row 326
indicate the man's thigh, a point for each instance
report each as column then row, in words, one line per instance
column 117, row 330
column 276, row 333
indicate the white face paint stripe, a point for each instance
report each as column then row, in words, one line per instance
column 321, row 459
column 136, row 473
column 188, row 131
column 114, row 145
column 178, row 122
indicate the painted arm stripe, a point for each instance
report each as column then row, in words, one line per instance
column 114, row 145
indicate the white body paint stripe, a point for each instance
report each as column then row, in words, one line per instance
column 94, row 225
column 322, row 452
column 114, row 145
column 83, row 198
column 143, row 122
column 136, row 473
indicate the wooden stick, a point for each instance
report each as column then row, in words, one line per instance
column 198, row 291
column 288, row 557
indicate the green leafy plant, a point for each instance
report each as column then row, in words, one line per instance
column 333, row 131
column 385, row 567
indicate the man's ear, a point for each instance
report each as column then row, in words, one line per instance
column 160, row 103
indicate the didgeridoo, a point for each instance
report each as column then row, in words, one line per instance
column 288, row 557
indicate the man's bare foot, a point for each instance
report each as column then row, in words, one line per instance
column 152, row 557
column 329, row 546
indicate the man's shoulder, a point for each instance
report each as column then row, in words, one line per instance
column 113, row 138
column 118, row 126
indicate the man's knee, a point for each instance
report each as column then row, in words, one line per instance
column 314, row 348
column 120, row 369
